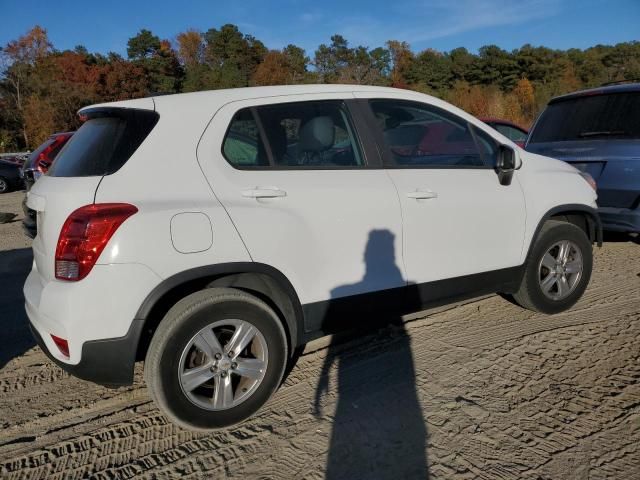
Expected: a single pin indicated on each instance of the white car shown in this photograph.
(212, 233)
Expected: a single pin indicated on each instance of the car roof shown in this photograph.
(224, 96)
(604, 90)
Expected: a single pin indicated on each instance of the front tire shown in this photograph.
(558, 269)
(215, 359)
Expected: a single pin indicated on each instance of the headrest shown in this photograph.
(317, 134)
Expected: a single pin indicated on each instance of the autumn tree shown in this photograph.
(232, 56)
(190, 48)
(17, 61)
(330, 60)
(41, 88)
(158, 60)
(401, 61)
(525, 98)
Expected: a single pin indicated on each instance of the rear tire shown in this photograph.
(558, 269)
(4, 185)
(193, 373)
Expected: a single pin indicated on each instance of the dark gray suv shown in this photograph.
(598, 132)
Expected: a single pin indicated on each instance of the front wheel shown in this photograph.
(558, 269)
(215, 359)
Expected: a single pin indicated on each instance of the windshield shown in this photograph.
(610, 116)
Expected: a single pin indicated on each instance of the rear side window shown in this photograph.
(611, 116)
(103, 143)
(419, 135)
(293, 135)
(243, 145)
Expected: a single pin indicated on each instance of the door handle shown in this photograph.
(422, 195)
(267, 192)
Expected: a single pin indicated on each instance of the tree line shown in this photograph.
(41, 88)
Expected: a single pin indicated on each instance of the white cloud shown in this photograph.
(420, 21)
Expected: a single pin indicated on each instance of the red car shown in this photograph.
(36, 165)
(513, 132)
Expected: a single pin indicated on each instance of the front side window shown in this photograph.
(419, 135)
(311, 135)
(511, 133)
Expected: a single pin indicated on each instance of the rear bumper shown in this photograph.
(620, 219)
(94, 316)
(107, 362)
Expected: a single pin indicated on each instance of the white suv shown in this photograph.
(213, 233)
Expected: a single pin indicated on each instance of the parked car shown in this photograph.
(598, 132)
(512, 131)
(17, 158)
(213, 233)
(34, 167)
(9, 176)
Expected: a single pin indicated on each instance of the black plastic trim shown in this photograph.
(107, 362)
(594, 222)
(294, 325)
(359, 311)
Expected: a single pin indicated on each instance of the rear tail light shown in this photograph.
(44, 161)
(62, 345)
(84, 235)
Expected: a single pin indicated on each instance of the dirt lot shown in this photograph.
(480, 390)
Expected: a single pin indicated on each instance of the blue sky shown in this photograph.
(104, 26)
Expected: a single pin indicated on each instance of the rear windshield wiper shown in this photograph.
(602, 133)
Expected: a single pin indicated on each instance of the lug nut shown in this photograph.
(231, 353)
(223, 374)
(214, 368)
(234, 365)
(218, 356)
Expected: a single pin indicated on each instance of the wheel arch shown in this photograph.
(583, 216)
(261, 280)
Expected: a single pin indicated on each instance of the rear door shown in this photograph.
(306, 199)
(100, 146)
(458, 219)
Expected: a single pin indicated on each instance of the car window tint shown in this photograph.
(612, 116)
(512, 133)
(488, 146)
(103, 143)
(310, 134)
(242, 145)
(423, 135)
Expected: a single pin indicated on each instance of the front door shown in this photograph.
(457, 218)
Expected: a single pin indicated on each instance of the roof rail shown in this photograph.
(618, 82)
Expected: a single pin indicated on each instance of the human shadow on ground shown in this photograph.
(15, 337)
(378, 430)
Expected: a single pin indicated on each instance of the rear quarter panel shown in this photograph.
(163, 179)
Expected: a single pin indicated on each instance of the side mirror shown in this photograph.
(506, 164)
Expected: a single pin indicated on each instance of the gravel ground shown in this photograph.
(478, 390)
